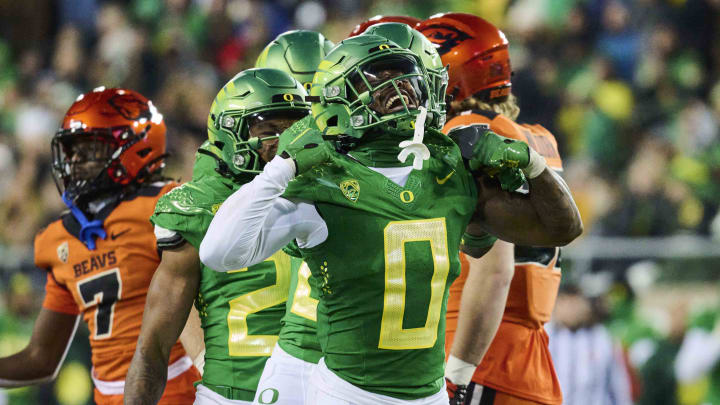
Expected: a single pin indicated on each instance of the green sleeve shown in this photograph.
(181, 212)
(189, 209)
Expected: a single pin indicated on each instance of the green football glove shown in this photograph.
(308, 156)
(298, 135)
(496, 155)
(304, 144)
(486, 149)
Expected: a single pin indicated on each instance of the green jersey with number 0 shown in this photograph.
(384, 271)
(240, 310)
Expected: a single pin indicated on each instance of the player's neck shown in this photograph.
(92, 206)
(379, 151)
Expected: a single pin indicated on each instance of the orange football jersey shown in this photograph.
(518, 361)
(108, 285)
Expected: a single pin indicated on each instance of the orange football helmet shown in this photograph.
(109, 139)
(360, 28)
(476, 52)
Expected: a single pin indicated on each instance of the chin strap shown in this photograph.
(88, 229)
(416, 146)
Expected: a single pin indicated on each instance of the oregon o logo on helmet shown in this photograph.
(308, 86)
(288, 97)
(384, 46)
(274, 395)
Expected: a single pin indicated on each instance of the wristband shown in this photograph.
(535, 166)
(458, 371)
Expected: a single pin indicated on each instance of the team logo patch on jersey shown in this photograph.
(350, 189)
(63, 252)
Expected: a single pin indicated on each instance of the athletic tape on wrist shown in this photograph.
(536, 166)
(459, 371)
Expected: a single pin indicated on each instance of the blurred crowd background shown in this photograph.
(631, 89)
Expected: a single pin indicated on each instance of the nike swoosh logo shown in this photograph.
(114, 235)
(442, 181)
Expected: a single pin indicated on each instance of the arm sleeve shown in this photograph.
(58, 298)
(255, 222)
(698, 354)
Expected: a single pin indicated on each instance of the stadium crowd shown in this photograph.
(631, 89)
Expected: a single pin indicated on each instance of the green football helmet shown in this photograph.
(403, 35)
(296, 53)
(251, 96)
(354, 75)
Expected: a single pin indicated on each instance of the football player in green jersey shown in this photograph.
(381, 232)
(288, 370)
(240, 311)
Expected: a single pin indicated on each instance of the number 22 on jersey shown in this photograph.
(240, 343)
(392, 334)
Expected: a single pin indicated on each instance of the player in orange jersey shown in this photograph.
(100, 256)
(517, 368)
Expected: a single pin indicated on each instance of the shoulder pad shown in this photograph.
(467, 118)
(486, 113)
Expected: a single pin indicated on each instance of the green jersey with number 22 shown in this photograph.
(240, 310)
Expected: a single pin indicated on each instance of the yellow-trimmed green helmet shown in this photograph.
(252, 95)
(297, 53)
(407, 37)
(351, 76)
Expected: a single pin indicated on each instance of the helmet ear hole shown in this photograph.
(144, 152)
(332, 121)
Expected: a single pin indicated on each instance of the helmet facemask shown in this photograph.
(87, 163)
(251, 149)
(264, 129)
(406, 37)
(386, 92)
